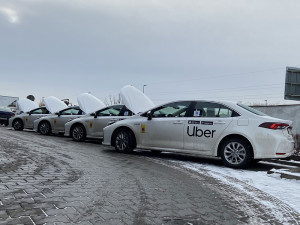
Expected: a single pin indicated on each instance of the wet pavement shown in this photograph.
(54, 180)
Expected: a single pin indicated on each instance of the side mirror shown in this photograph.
(58, 114)
(30, 113)
(149, 115)
(94, 115)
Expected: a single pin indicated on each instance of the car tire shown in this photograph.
(44, 128)
(124, 141)
(236, 153)
(78, 133)
(18, 124)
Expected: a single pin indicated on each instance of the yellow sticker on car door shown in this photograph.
(143, 128)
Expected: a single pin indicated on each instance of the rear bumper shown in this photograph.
(278, 150)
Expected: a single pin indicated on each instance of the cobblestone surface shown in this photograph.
(53, 180)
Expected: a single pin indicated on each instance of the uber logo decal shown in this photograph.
(197, 132)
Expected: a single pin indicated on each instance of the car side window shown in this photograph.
(111, 111)
(76, 112)
(175, 109)
(71, 112)
(40, 111)
(211, 109)
(66, 112)
(126, 112)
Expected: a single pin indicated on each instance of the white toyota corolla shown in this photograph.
(31, 112)
(235, 132)
(55, 123)
(91, 126)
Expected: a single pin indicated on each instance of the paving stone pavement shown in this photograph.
(53, 180)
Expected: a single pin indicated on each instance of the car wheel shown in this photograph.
(236, 153)
(124, 141)
(18, 124)
(78, 133)
(44, 128)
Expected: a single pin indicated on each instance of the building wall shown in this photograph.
(287, 112)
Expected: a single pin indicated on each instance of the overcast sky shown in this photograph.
(193, 49)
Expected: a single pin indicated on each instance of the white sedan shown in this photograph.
(31, 112)
(235, 132)
(91, 126)
(55, 123)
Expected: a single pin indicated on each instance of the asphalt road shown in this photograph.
(54, 180)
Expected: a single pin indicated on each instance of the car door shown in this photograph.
(65, 116)
(103, 118)
(165, 129)
(34, 115)
(207, 122)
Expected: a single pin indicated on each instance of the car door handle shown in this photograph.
(178, 123)
(219, 122)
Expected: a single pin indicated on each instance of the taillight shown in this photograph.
(12, 115)
(274, 126)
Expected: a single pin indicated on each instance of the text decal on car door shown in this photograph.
(197, 132)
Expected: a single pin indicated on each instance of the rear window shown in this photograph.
(256, 112)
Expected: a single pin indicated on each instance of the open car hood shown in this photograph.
(54, 105)
(89, 103)
(135, 100)
(26, 105)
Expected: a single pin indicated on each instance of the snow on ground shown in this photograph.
(285, 190)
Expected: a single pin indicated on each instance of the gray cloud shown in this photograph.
(173, 46)
(11, 15)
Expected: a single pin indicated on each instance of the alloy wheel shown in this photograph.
(235, 153)
(122, 141)
(78, 133)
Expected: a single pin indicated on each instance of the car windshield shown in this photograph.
(5, 109)
(259, 113)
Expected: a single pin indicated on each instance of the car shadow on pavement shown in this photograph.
(263, 166)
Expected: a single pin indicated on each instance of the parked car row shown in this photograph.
(240, 135)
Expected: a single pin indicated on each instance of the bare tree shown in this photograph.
(112, 100)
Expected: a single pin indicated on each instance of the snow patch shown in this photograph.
(285, 190)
